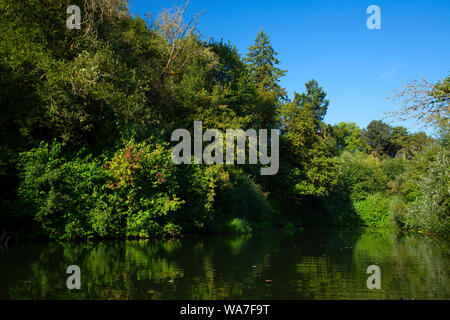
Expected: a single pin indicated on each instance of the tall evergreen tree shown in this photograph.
(314, 100)
(262, 60)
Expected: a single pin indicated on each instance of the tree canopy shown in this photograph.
(87, 117)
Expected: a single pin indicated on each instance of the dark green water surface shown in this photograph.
(307, 264)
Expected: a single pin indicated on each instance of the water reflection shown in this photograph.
(308, 264)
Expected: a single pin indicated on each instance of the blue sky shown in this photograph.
(330, 42)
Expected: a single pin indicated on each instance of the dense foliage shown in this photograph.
(87, 115)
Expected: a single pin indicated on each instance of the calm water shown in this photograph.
(308, 264)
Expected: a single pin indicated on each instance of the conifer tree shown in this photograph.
(262, 61)
(314, 100)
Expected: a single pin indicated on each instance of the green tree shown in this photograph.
(311, 169)
(398, 142)
(262, 62)
(377, 136)
(430, 210)
(424, 101)
(314, 100)
(348, 137)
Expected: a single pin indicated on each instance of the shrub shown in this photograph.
(145, 191)
(138, 193)
(237, 226)
(398, 210)
(374, 211)
(361, 175)
(172, 230)
(431, 209)
(60, 192)
(240, 197)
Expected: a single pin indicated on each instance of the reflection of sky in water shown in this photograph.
(309, 264)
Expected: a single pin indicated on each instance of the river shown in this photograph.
(302, 264)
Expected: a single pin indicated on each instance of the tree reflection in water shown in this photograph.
(308, 264)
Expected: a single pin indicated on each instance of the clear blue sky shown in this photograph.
(329, 41)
